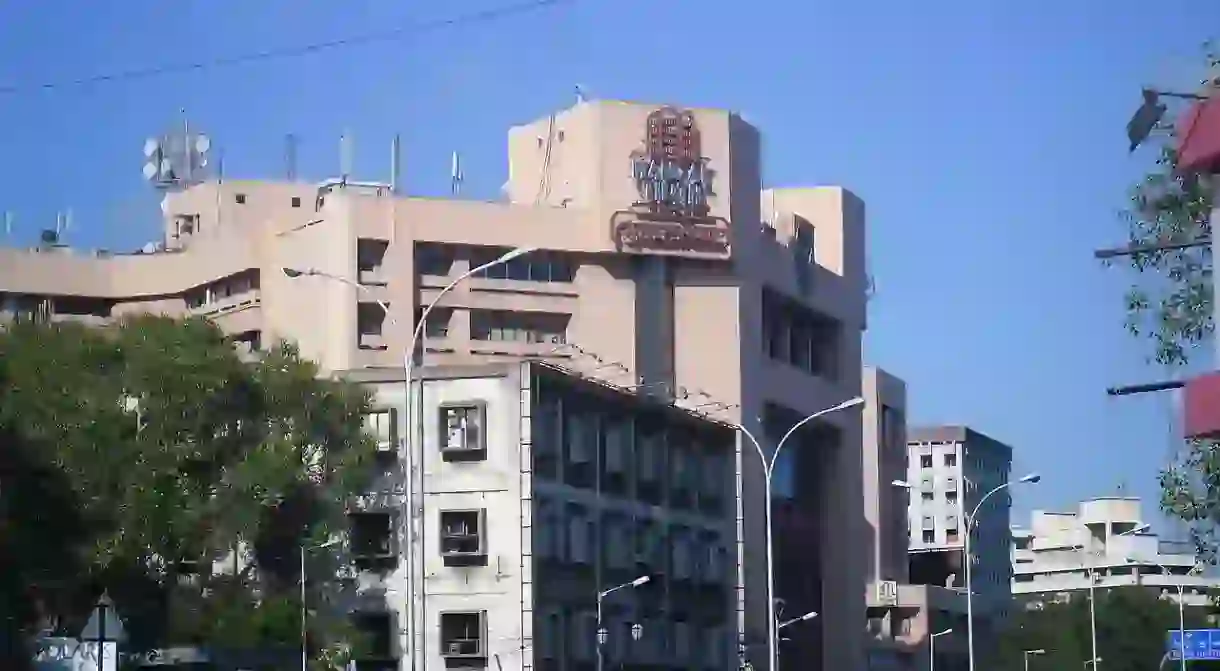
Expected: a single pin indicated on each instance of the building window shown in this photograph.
(951, 497)
(370, 261)
(539, 266)
(240, 198)
(925, 461)
(433, 258)
(370, 317)
(929, 536)
(296, 201)
(437, 325)
(383, 426)
(797, 335)
(376, 647)
(951, 459)
(927, 496)
(461, 426)
(463, 541)
(372, 540)
(463, 635)
(524, 327)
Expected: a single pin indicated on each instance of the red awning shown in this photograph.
(1199, 137)
(1202, 407)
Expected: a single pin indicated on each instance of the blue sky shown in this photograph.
(986, 137)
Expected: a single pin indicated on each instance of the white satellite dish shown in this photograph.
(150, 171)
(202, 144)
(165, 205)
(151, 145)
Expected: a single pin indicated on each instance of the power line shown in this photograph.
(483, 16)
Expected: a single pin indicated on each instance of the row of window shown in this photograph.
(623, 456)
(683, 553)
(572, 635)
(950, 459)
(433, 258)
(799, 336)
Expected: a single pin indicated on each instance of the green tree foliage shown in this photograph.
(1132, 630)
(180, 455)
(1171, 301)
(39, 525)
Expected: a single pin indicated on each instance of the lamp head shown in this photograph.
(514, 253)
(901, 483)
(1032, 478)
(293, 272)
(641, 580)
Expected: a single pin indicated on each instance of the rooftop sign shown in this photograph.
(671, 216)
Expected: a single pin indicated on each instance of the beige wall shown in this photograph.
(568, 174)
(885, 506)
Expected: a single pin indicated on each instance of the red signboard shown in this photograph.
(1198, 135)
(671, 215)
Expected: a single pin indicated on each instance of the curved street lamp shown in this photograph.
(768, 464)
(932, 647)
(1031, 478)
(412, 446)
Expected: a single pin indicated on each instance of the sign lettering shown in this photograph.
(673, 184)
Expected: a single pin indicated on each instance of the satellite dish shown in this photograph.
(151, 145)
(150, 171)
(203, 144)
(165, 205)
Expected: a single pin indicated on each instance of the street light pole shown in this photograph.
(932, 647)
(1092, 576)
(601, 633)
(1027, 653)
(1031, 478)
(768, 464)
(1181, 606)
(411, 446)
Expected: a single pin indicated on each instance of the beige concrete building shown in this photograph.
(901, 616)
(660, 262)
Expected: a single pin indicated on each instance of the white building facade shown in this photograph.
(542, 489)
(1053, 557)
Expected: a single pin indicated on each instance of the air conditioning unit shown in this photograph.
(887, 592)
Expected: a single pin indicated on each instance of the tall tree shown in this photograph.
(1171, 301)
(184, 458)
(1133, 624)
(40, 532)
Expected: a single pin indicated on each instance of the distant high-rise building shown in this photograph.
(950, 469)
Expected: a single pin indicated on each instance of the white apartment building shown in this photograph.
(1052, 558)
(950, 469)
(541, 489)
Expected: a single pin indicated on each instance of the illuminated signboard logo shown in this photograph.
(671, 215)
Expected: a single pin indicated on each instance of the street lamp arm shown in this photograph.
(314, 272)
(423, 319)
(977, 506)
(821, 413)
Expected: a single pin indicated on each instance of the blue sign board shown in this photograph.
(1200, 644)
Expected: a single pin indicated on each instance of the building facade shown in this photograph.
(544, 488)
(656, 260)
(1053, 557)
(950, 469)
(901, 615)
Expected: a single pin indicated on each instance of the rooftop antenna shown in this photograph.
(455, 174)
(177, 159)
(345, 156)
(395, 154)
(581, 96)
(8, 224)
(290, 157)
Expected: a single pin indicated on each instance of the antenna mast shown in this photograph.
(176, 160)
(290, 157)
(395, 154)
